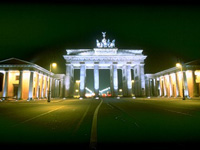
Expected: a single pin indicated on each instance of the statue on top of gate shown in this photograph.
(105, 43)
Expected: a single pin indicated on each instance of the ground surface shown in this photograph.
(100, 124)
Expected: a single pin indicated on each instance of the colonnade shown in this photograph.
(30, 85)
(173, 84)
(126, 79)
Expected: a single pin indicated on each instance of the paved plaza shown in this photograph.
(108, 122)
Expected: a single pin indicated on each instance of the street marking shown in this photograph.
(110, 105)
(93, 137)
(37, 116)
(178, 112)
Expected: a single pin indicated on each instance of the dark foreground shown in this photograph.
(106, 123)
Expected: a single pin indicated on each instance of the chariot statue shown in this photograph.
(104, 43)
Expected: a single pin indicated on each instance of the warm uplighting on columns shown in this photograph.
(178, 65)
(54, 65)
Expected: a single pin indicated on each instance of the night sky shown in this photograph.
(41, 32)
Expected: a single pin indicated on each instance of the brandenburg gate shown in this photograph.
(106, 56)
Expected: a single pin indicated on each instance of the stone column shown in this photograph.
(61, 88)
(96, 79)
(19, 92)
(5, 89)
(111, 80)
(37, 86)
(68, 86)
(50, 86)
(147, 83)
(161, 86)
(30, 95)
(177, 85)
(128, 80)
(170, 87)
(115, 80)
(142, 90)
(53, 89)
(82, 80)
(124, 81)
(46, 88)
(155, 86)
(42, 87)
(195, 85)
(185, 84)
(165, 86)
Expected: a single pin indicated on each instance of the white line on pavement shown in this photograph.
(93, 137)
(37, 116)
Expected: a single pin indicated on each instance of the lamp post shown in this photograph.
(178, 65)
(49, 88)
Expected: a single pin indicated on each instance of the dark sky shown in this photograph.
(40, 32)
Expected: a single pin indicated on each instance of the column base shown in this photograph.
(30, 99)
(4, 98)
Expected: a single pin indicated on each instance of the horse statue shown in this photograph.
(99, 44)
(112, 44)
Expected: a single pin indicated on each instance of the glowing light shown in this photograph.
(54, 65)
(108, 88)
(178, 65)
(120, 90)
(77, 81)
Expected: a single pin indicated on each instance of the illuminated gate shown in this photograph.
(106, 56)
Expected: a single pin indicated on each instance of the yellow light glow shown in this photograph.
(77, 81)
(132, 81)
(54, 65)
(178, 65)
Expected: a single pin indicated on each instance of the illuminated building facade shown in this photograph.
(173, 82)
(24, 80)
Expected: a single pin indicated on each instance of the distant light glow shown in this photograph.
(106, 89)
(178, 65)
(54, 65)
(77, 81)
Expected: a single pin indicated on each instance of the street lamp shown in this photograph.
(178, 65)
(54, 65)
